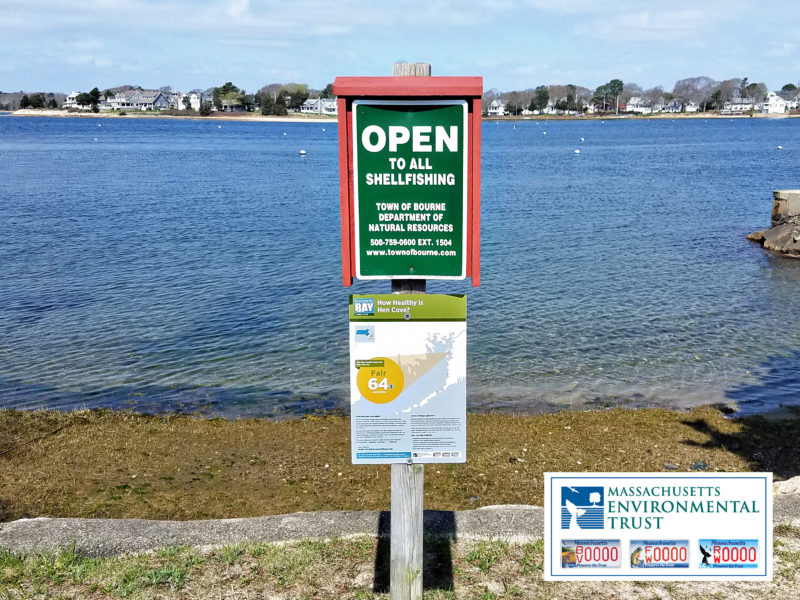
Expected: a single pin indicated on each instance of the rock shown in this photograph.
(670, 466)
(783, 238)
(700, 465)
(784, 235)
(790, 486)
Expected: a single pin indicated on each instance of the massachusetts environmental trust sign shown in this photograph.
(657, 526)
(410, 188)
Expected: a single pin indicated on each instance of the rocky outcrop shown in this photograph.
(784, 235)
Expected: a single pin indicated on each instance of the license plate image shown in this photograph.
(590, 554)
(731, 554)
(654, 554)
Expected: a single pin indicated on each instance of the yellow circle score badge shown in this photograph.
(380, 380)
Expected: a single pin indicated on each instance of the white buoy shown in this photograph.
(302, 152)
(95, 139)
(544, 133)
(284, 133)
(323, 130)
(577, 151)
(780, 147)
(219, 126)
(581, 139)
(99, 125)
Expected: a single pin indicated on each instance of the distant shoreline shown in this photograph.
(638, 117)
(297, 118)
(157, 115)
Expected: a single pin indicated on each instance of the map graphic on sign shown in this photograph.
(416, 365)
(408, 384)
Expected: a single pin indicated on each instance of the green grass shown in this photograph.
(486, 554)
(488, 569)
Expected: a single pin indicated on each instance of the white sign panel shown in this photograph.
(658, 526)
(408, 367)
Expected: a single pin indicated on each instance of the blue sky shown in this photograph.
(55, 45)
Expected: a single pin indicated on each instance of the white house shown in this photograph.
(774, 104)
(71, 101)
(320, 106)
(175, 100)
(195, 101)
(639, 105)
(691, 107)
(550, 109)
(496, 109)
(739, 105)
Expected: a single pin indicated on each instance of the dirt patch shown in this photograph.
(122, 465)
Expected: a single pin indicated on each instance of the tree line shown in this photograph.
(272, 99)
(706, 92)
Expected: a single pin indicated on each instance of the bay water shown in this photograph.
(194, 265)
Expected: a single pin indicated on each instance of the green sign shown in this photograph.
(410, 179)
(408, 307)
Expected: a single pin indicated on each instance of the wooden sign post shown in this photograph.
(409, 152)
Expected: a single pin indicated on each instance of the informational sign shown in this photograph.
(408, 367)
(410, 188)
(658, 526)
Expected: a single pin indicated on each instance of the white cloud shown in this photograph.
(89, 60)
(238, 8)
(576, 6)
(647, 26)
(85, 45)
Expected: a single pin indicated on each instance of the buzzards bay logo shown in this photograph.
(363, 307)
(582, 507)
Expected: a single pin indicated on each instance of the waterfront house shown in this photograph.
(320, 106)
(232, 105)
(550, 109)
(738, 106)
(792, 98)
(175, 100)
(672, 107)
(71, 101)
(136, 100)
(195, 101)
(639, 105)
(774, 104)
(497, 109)
(153, 100)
